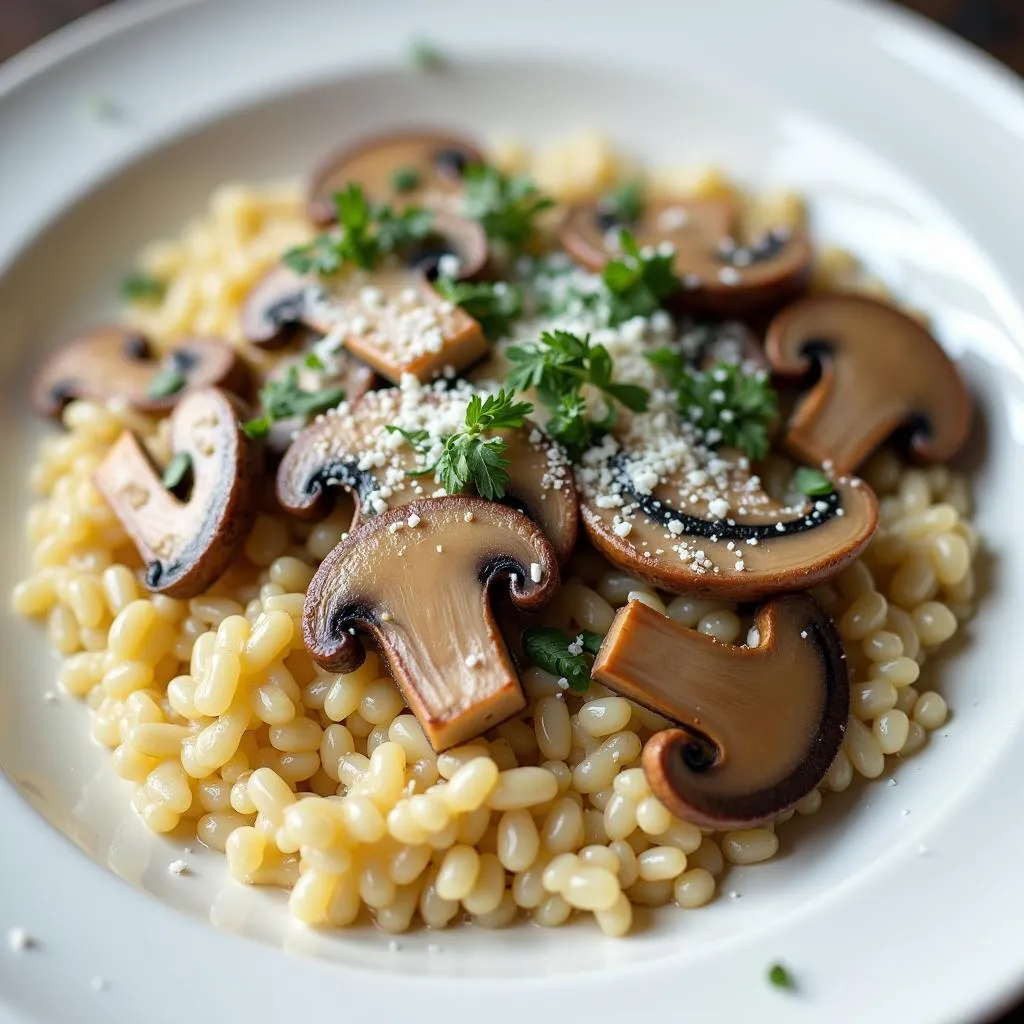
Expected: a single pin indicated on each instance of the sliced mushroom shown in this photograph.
(418, 579)
(351, 447)
(391, 318)
(720, 276)
(879, 371)
(116, 362)
(758, 727)
(434, 161)
(186, 545)
(660, 505)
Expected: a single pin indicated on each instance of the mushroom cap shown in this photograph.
(759, 727)
(351, 447)
(418, 579)
(117, 362)
(187, 545)
(274, 309)
(880, 371)
(720, 277)
(693, 521)
(439, 158)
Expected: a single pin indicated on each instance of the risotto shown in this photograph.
(231, 719)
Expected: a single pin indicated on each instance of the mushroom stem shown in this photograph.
(759, 727)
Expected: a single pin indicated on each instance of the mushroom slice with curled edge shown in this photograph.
(352, 447)
(116, 362)
(418, 579)
(880, 371)
(186, 545)
(421, 168)
(391, 318)
(659, 504)
(720, 276)
(758, 727)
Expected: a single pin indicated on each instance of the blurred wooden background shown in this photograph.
(995, 25)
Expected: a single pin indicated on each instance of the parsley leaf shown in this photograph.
(283, 399)
(494, 306)
(780, 977)
(177, 469)
(558, 367)
(168, 381)
(364, 235)
(467, 456)
(505, 206)
(812, 482)
(639, 281)
(142, 287)
(424, 56)
(625, 203)
(728, 405)
(405, 179)
(549, 649)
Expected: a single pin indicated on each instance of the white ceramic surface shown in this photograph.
(909, 146)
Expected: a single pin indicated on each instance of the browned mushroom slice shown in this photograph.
(418, 579)
(419, 168)
(759, 727)
(720, 276)
(351, 447)
(696, 522)
(116, 362)
(879, 371)
(186, 545)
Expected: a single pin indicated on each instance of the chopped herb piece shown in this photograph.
(168, 381)
(177, 469)
(142, 287)
(405, 179)
(727, 404)
(812, 482)
(639, 281)
(505, 206)
(314, 362)
(467, 457)
(780, 977)
(495, 306)
(558, 367)
(426, 57)
(364, 235)
(283, 400)
(624, 203)
(549, 648)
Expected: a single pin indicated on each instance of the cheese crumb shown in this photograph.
(19, 940)
(563, 683)
(413, 521)
(178, 867)
(576, 647)
(754, 637)
(440, 549)
(718, 507)
(468, 517)
(622, 529)
(536, 572)
(474, 659)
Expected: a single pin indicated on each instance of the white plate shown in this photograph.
(911, 148)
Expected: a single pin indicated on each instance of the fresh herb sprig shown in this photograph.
(639, 282)
(166, 382)
(506, 206)
(142, 287)
(812, 482)
(569, 658)
(366, 232)
(727, 404)
(283, 399)
(624, 203)
(559, 366)
(495, 306)
(779, 977)
(468, 457)
(177, 470)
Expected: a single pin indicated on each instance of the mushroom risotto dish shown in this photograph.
(499, 537)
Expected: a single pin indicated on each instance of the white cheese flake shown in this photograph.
(536, 572)
(19, 940)
(178, 867)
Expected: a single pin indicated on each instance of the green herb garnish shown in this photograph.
(177, 469)
(426, 57)
(625, 203)
(405, 179)
(168, 381)
(639, 282)
(558, 367)
(505, 206)
(142, 287)
(495, 306)
(780, 977)
(364, 235)
(728, 405)
(555, 652)
(283, 400)
(467, 456)
(314, 362)
(812, 482)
